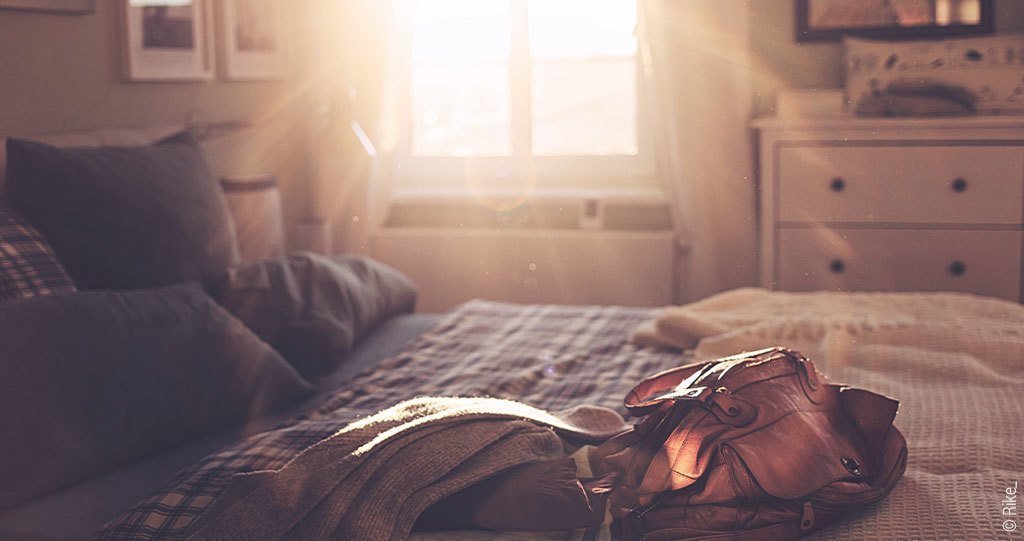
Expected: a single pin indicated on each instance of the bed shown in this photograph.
(961, 408)
(956, 363)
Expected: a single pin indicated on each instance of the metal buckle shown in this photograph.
(692, 392)
(851, 465)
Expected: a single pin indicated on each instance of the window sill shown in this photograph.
(465, 195)
(618, 210)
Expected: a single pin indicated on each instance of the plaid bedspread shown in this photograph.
(552, 357)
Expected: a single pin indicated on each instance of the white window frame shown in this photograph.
(418, 175)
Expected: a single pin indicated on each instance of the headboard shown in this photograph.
(92, 138)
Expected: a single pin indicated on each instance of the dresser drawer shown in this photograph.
(910, 184)
(982, 262)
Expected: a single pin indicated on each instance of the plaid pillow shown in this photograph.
(28, 266)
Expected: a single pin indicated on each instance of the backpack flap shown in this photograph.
(803, 452)
(686, 382)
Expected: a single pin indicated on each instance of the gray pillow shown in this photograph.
(90, 381)
(125, 217)
(313, 308)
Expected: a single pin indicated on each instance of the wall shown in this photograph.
(710, 164)
(779, 62)
(63, 72)
(728, 60)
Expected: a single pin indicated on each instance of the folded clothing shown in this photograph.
(790, 316)
(917, 98)
(549, 495)
(373, 478)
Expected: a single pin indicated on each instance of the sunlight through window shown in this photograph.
(524, 77)
(460, 79)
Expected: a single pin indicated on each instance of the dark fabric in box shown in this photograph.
(125, 217)
(90, 381)
(312, 308)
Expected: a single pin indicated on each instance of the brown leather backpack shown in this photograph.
(751, 447)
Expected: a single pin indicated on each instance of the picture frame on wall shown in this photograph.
(254, 39)
(167, 40)
(74, 7)
(830, 20)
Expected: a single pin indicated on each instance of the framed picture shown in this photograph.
(255, 39)
(829, 20)
(55, 6)
(167, 40)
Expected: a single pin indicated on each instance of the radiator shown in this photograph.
(582, 251)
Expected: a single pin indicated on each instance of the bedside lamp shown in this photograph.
(255, 204)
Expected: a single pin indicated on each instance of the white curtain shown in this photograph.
(696, 54)
(360, 96)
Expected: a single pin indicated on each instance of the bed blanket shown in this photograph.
(374, 478)
(958, 371)
(955, 362)
(551, 357)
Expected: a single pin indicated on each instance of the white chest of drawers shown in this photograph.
(892, 204)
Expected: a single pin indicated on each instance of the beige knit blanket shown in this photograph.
(373, 478)
(955, 362)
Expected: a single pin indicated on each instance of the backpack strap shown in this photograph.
(696, 382)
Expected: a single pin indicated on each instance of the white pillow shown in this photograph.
(992, 68)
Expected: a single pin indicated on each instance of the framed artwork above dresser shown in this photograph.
(887, 204)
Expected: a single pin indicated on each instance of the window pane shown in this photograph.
(582, 28)
(461, 111)
(461, 31)
(584, 108)
(460, 81)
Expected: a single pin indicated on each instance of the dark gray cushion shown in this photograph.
(125, 217)
(313, 308)
(90, 381)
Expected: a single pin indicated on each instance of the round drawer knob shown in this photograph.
(837, 184)
(837, 266)
(959, 185)
(958, 268)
